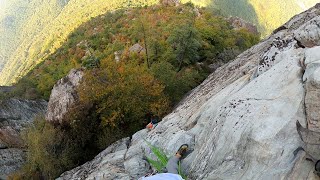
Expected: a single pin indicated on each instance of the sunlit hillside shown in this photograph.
(266, 14)
(31, 30)
(39, 33)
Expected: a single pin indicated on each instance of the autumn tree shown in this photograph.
(123, 93)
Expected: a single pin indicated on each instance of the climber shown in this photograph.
(172, 167)
(153, 123)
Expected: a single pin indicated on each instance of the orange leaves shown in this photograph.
(123, 93)
(111, 119)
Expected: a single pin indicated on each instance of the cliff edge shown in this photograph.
(241, 121)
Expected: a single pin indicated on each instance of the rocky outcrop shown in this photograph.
(63, 96)
(108, 164)
(6, 89)
(241, 121)
(10, 161)
(312, 79)
(137, 48)
(239, 23)
(14, 116)
(170, 2)
(19, 113)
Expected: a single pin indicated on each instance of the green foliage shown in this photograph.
(42, 27)
(105, 112)
(38, 28)
(185, 41)
(170, 34)
(162, 160)
(112, 88)
(177, 84)
(267, 15)
(2, 95)
(115, 97)
(25, 89)
(91, 62)
(45, 153)
(53, 149)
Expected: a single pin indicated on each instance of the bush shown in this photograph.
(177, 84)
(45, 157)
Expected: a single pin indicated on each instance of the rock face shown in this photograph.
(15, 115)
(106, 164)
(239, 23)
(63, 96)
(5, 89)
(137, 48)
(312, 78)
(170, 2)
(10, 161)
(241, 121)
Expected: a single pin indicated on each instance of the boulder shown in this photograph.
(137, 48)
(63, 96)
(241, 121)
(170, 2)
(239, 23)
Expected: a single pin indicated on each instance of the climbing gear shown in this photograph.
(182, 150)
(152, 124)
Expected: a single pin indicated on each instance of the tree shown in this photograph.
(185, 41)
(177, 84)
(122, 95)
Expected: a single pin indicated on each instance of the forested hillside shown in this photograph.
(266, 14)
(136, 62)
(32, 30)
(21, 21)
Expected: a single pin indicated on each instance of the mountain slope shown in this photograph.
(31, 30)
(37, 39)
(241, 122)
(267, 15)
(22, 21)
(101, 37)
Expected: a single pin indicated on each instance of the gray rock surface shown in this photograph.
(312, 79)
(241, 121)
(15, 115)
(104, 165)
(5, 89)
(18, 113)
(239, 23)
(10, 161)
(137, 48)
(63, 96)
(170, 2)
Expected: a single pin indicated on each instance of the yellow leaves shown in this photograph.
(123, 93)
(111, 119)
(160, 107)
